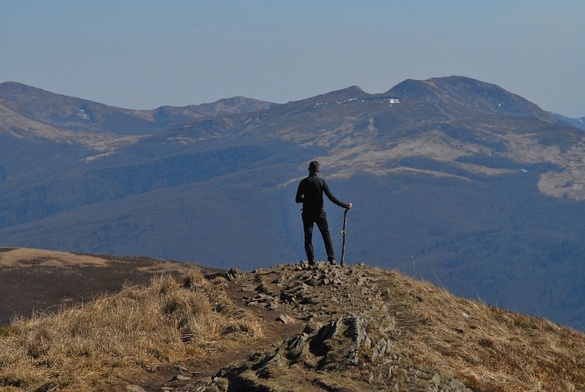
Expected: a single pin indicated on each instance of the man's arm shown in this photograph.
(333, 199)
(299, 196)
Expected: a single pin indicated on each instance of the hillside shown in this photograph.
(39, 280)
(289, 327)
(454, 180)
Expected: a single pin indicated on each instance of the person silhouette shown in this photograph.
(310, 194)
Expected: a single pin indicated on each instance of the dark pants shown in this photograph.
(319, 218)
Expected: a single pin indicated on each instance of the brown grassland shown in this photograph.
(223, 328)
(122, 337)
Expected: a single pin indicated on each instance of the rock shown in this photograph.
(180, 377)
(286, 319)
(379, 349)
(297, 345)
(356, 330)
(268, 365)
(220, 385)
(457, 385)
(322, 266)
(248, 288)
(134, 388)
(262, 300)
(233, 274)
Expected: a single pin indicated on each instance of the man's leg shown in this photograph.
(323, 226)
(308, 230)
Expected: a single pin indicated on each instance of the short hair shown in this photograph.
(314, 166)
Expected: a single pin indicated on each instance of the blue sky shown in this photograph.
(144, 54)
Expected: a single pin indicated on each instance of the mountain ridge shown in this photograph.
(575, 122)
(77, 114)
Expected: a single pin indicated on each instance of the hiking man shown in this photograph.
(310, 193)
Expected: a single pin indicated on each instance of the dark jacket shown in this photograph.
(310, 193)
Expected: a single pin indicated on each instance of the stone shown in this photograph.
(457, 385)
(248, 288)
(134, 388)
(233, 274)
(379, 349)
(298, 342)
(180, 377)
(286, 319)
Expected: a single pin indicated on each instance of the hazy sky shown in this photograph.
(144, 54)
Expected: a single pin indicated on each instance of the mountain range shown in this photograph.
(453, 180)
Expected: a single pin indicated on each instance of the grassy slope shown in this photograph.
(202, 324)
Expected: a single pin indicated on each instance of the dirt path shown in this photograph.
(190, 375)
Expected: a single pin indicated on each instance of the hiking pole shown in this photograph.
(344, 232)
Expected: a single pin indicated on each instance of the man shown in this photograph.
(310, 193)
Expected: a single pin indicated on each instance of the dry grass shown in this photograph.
(28, 257)
(121, 337)
(433, 337)
(489, 348)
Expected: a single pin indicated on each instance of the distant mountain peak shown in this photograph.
(343, 94)
(468, 94)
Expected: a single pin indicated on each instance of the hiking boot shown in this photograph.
(332, 262)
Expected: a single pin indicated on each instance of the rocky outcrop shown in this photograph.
(349, 339)
(339, 356)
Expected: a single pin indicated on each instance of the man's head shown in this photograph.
(314, 167)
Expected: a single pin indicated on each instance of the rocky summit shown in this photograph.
(370, 329)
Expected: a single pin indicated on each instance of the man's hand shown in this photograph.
(349, 205)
